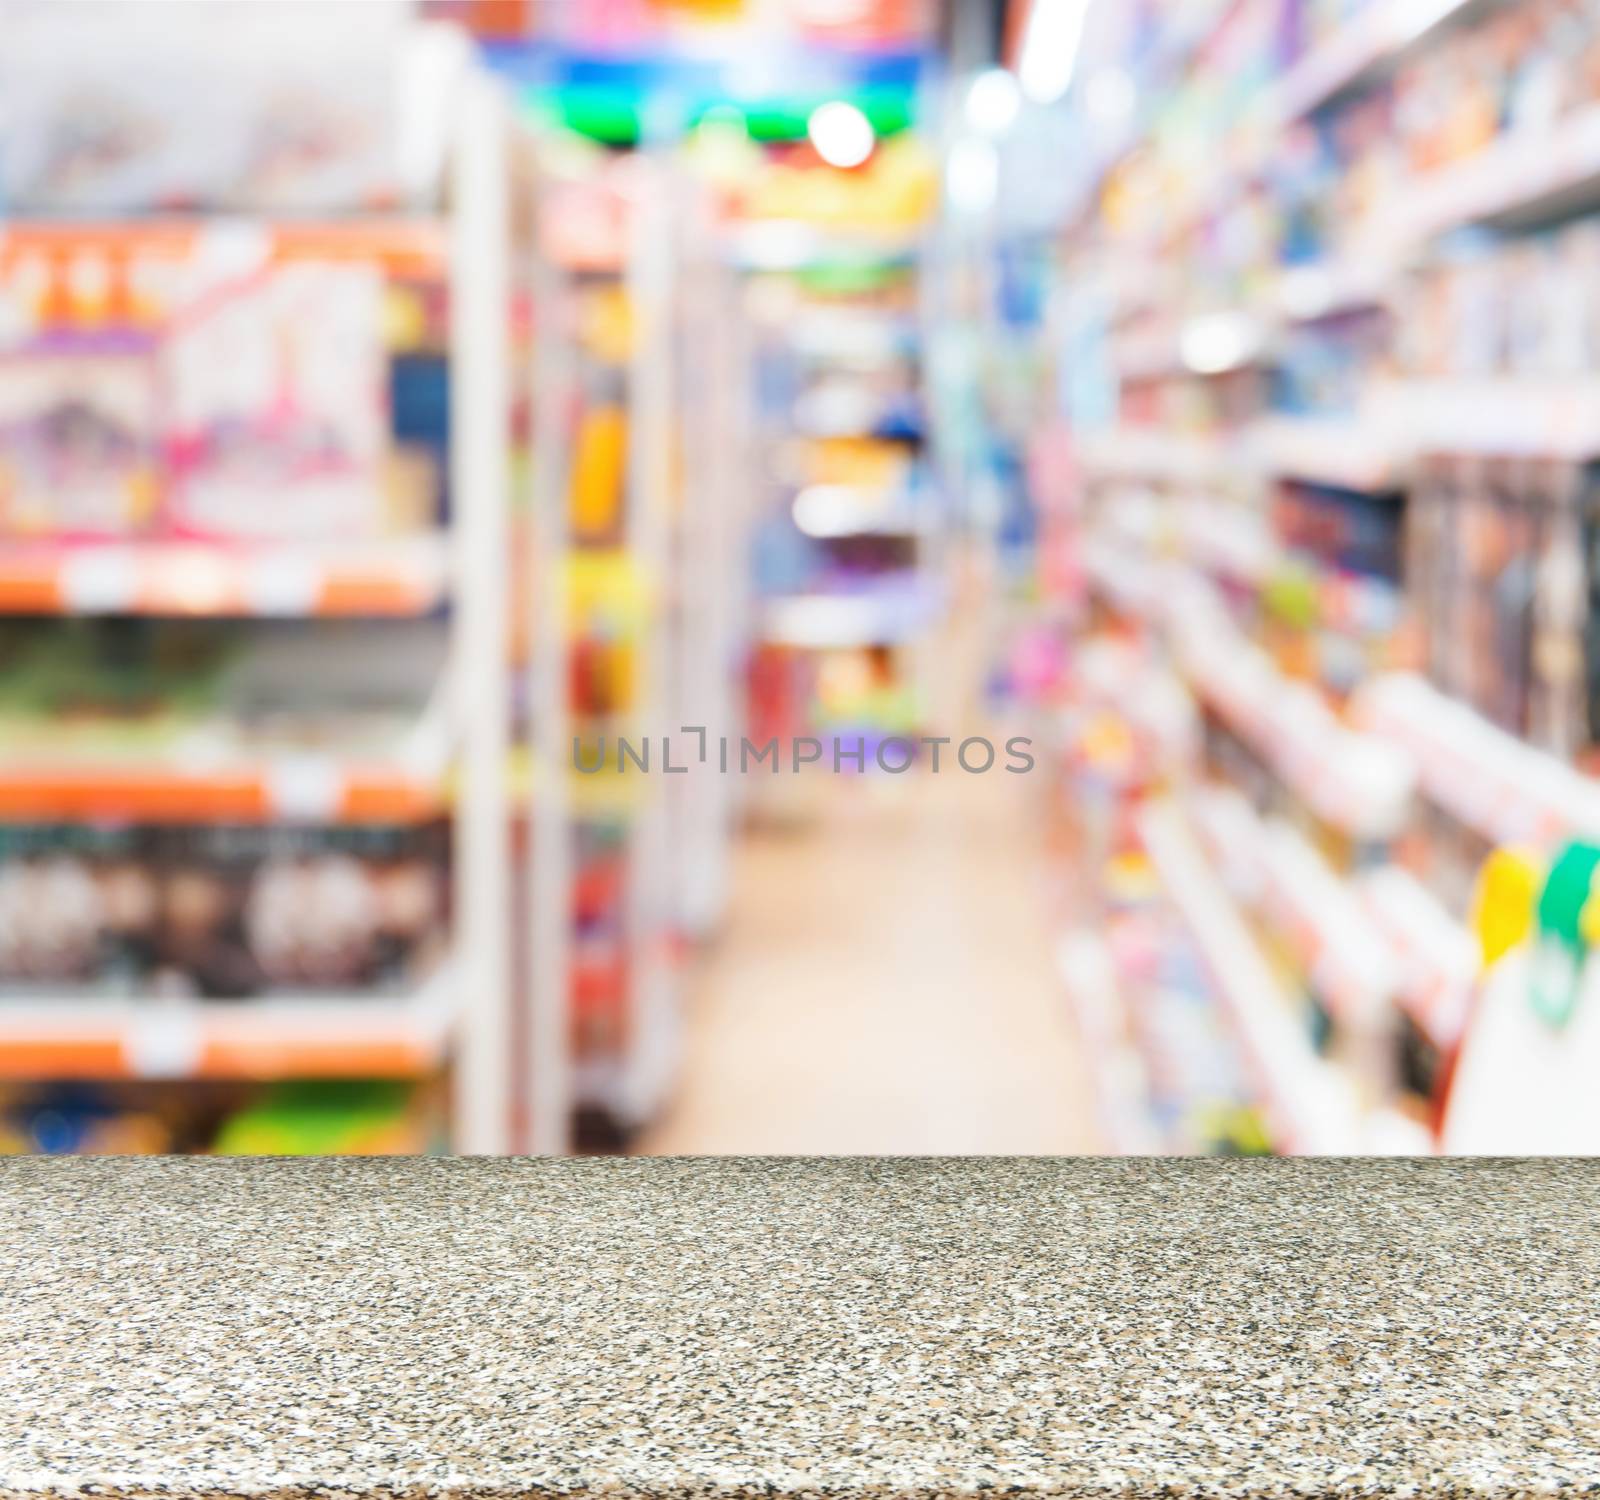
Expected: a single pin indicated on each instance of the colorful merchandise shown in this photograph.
(221, 912)
(370, 1118)
(171, 383)
(277, 408)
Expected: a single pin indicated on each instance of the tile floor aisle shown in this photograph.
(885, 981)
(885, 985)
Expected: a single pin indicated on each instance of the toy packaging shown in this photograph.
(326, 1117)
(278, 407)
(172, 384)
(221, 912)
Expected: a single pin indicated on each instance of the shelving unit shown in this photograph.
(400, 576)
(1332, 395)
(1309, 1105)
(1089, 977)
(434, 584)
(846, 535)
(1367, 46)
(636, 633)
(308, 1036)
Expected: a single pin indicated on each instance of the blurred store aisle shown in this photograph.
(885, 983)
(885, 986)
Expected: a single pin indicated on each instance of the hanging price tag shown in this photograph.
(305, 789)
(165, 1042)
(99, 581)
(282, 584)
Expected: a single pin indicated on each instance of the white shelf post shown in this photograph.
(549, 850)
(480, 493)
(651, 268)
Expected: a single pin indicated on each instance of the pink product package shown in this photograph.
(276, 407)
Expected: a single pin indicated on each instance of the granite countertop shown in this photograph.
(726, 1327)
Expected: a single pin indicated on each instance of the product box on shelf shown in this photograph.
(301, 1117)
(113, 107)
(276, 405)
(219, 912)
(226, 384)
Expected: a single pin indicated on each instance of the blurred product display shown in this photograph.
(363, 451)
(845, 561)
(456, 458)
(309, 1118)
(236, 539)
(1329, 311)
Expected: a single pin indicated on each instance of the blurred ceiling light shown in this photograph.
(1109, 96)
(842, 135)
(1219, 342)
(1050, 42)
(972, 176)
(993, 101)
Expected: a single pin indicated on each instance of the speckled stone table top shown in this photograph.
(798, 1328)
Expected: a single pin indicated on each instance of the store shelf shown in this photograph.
(311, 1036)
(1310, 1107)
(1423, 290)
(1522, 178)
(1155, 453)
(1116, 1073)
(1335, 939)
(821, 429)
(1357, 53)
(851, 338)
(1361, 52)
(1229, 541)
(1504, 416)
(783, 245)
(1439, 959)
(1373, 451)
(299, 788)
(821, 621)
(392, 577)
(1132, 583)
(1325, 921)
(1329, 289)
(1206, 344)
(1178, 40)
(1504, 789)
(153, 343)
(1349, 454)
(405, 247)
(1356, 782)
(1233, 836)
